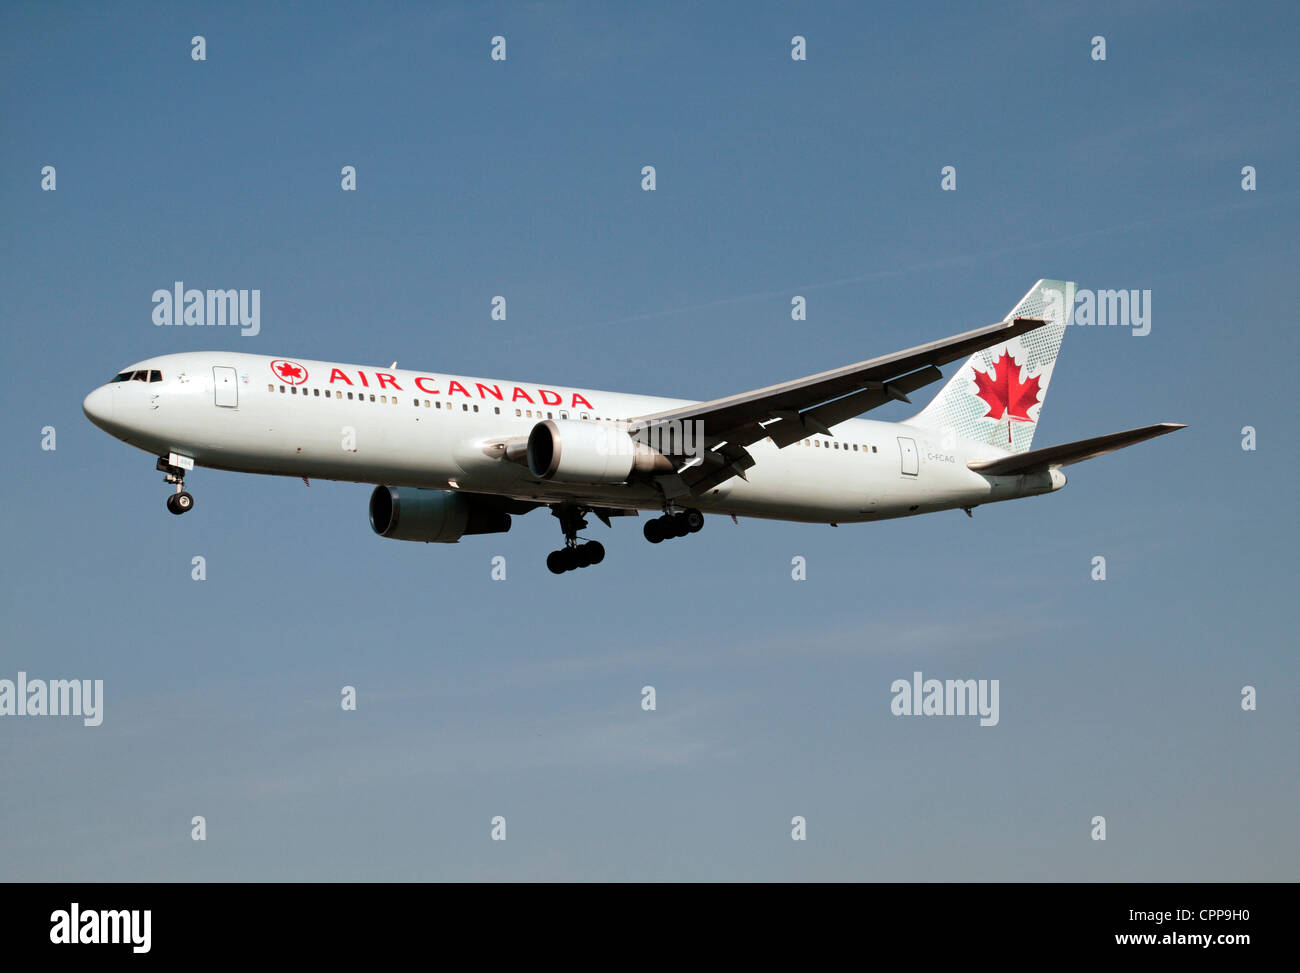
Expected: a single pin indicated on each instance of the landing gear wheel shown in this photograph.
(574, 555)
(179, 503)
(653, 530)
(676, 526)
(694, 521)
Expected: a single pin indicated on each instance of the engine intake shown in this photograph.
(432, 516)
(573, 451)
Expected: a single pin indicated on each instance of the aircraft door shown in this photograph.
(224, 382)
(907, 450)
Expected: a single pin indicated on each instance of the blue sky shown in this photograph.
(522, 698)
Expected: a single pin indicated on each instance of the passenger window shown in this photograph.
(476, 408)
(530, 413)
(270, 388)
(585, 416)
(382, 398)
(496, 409)
(426, 403)
(563, 414)
(372, 396)
(349, 396)
(518, 413)
(316, 392)
(874, 450)
(549, 416)
(293, 390)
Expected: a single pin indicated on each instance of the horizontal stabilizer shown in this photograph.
(1067, 453)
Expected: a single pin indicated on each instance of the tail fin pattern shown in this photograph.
(997, 396)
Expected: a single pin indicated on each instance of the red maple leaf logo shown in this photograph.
(1000, 387)
(290, 372)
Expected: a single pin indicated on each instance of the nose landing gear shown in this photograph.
(179, 502)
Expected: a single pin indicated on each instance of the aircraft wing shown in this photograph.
(788, 412)
(1053, 456)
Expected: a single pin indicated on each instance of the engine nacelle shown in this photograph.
(573, 451)
(442, 516)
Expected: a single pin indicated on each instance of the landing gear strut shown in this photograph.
(573, 555)
(179, 502)
(672, 525)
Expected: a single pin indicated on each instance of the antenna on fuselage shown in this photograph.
(393, 365)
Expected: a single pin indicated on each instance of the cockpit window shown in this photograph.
(142, 375)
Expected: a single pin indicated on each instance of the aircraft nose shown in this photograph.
(98, 406)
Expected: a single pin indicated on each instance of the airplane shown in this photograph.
(458, 456)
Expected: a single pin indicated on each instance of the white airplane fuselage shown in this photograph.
(397, 427)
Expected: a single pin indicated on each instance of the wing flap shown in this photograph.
(793, 426)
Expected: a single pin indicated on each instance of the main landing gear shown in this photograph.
(179, 502)
(673, 525)
(573, 555)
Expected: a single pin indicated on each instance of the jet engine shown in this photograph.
(573, 451)
(443, 516)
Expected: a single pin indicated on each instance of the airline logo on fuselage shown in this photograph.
(289, 372)
(292, 373)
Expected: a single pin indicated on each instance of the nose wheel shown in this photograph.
(673, 525)
(181, 501)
